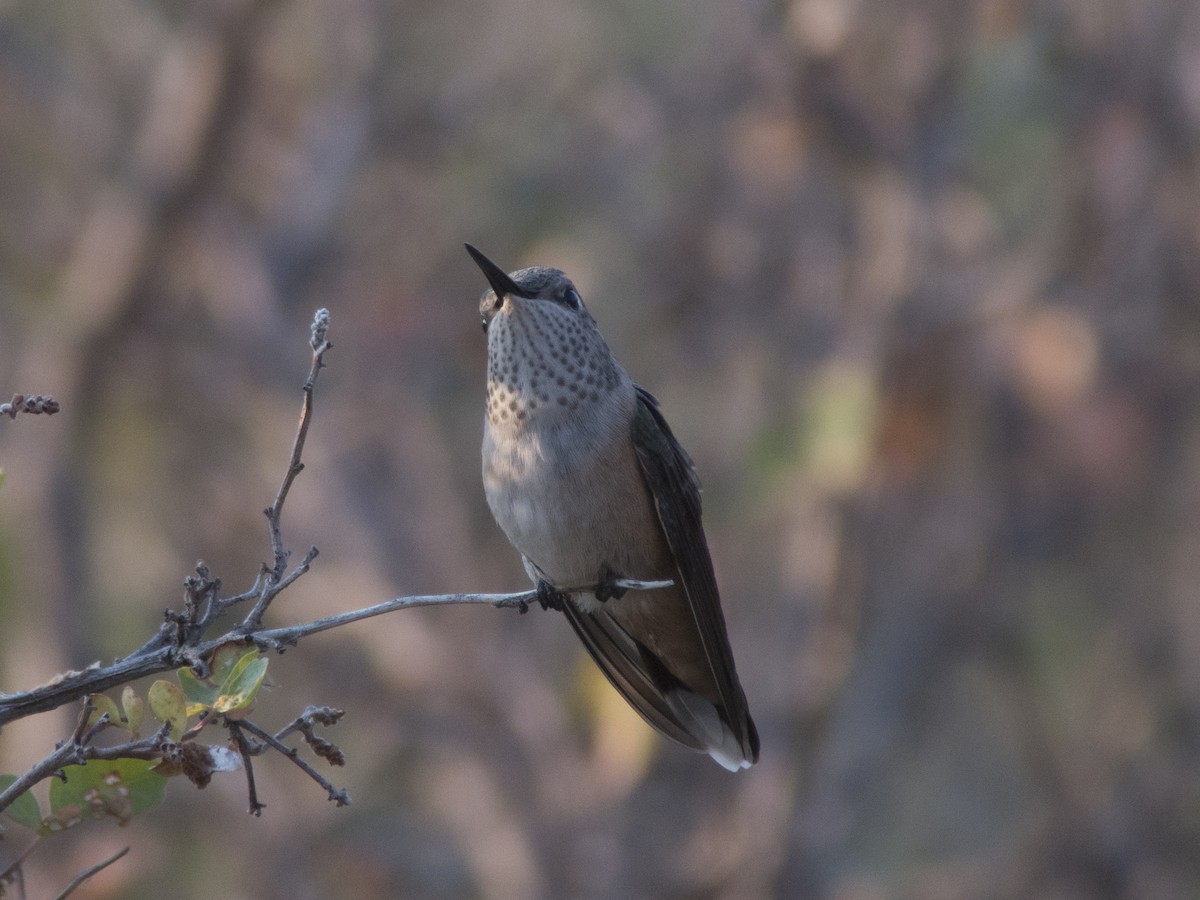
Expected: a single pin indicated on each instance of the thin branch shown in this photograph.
(78, 749)
(338, 796)
(301, 569)
(69, 752)
(83, 733)
(224, 603)
(152, 659)
(163, 639)
(92, 680)
(88, 873)
(275, 580)
(312, 715)
(307, 726)
(246, 751)
(281, 638)
(65, 754)
(143, 748)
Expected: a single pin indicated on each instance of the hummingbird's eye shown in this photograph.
(572, 299)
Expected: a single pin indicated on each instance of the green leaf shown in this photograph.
(225, 659)
(203, 694)
(168, 703)
(120, 788)
(25, 808)
(200, 694)
(237, 674)
(242, 684)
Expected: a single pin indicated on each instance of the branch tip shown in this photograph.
(320, 330)
(41, 404)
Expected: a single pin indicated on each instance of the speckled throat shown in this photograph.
(545, 363)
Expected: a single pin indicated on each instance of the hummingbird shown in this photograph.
(587, 481)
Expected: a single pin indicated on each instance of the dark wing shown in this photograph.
(633, 670)
(671, 478)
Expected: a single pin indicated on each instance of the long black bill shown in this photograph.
(496, 276)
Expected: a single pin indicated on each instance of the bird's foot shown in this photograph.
(549, 596)
(607, 587)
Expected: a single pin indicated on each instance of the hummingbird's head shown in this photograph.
(534, 283)
(546, 359)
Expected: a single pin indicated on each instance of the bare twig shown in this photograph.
(338, 796)
(88, 873)
(246, 751)
(275, 581)
(78, 750)
(42, 404)
(92, 680)
(307, 724)
(222, 604)
(312, 715)
(69, 752)
(281, 638)
(153, 659)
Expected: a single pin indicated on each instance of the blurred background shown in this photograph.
(916, 283)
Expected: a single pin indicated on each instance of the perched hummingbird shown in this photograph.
(587, 481)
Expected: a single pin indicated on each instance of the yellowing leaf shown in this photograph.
(102, 704)
(236, 674)
(200, 694)
(134, 707)
(240, 687)
(168, 704)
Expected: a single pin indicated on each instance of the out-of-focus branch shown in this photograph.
(13, 873)
(89, 872)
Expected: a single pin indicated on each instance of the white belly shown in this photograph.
(572, 513)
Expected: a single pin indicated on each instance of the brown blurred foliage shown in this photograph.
(917, 284)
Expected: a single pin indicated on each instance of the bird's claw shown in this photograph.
(607, 587)
(550, 597)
